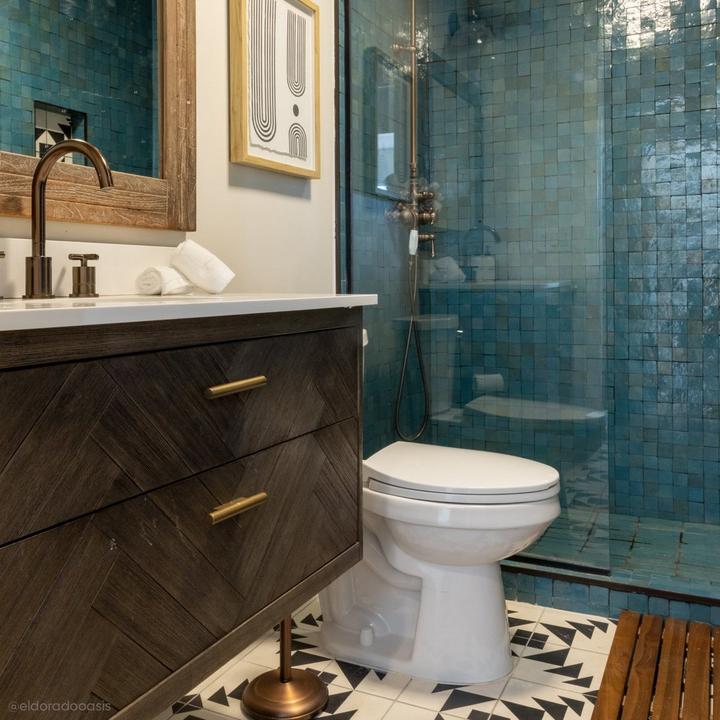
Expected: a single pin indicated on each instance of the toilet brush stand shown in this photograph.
(285, 693)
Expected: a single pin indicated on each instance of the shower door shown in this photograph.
(515, 143)
(512, 305)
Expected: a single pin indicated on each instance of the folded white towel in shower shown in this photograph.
(446, 270)
(201, 267)
(488, 383)
(162, 281)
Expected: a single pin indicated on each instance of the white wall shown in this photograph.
(277, 232)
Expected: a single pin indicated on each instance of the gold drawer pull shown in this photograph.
(236, 507)
(233, 388)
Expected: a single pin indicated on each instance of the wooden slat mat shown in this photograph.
(661, 669)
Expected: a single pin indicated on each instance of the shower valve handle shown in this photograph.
(428, 237)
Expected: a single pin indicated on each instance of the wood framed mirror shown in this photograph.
(163, 202)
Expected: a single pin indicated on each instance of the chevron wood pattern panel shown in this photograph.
(77, 437)
(103, 608)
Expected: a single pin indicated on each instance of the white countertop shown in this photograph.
(71, 312)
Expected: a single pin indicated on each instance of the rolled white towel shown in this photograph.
(201, 267)
(162, 281)
(485, 384)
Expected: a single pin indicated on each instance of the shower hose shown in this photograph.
(413, 333)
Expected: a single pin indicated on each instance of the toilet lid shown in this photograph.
(444, 474)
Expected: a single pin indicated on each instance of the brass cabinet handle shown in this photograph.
(234, 388)
(236, 507)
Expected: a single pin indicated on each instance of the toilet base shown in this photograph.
(460, 636)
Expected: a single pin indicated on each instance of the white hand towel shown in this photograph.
(201, 267)
(162, 281)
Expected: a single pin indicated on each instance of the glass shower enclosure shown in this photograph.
(571, 311)
(512, 320)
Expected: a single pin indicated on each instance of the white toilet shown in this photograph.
(427, 599)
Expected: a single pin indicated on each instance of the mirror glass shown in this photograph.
(85, 69)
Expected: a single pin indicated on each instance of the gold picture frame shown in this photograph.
(275, 85)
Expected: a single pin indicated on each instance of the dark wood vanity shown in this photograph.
(117, 589)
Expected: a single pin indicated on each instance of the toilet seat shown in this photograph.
(440, 474)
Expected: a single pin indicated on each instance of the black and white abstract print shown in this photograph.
(559, 659)
(298, 141)
(281, 93)
(296, 53)
(263, 93)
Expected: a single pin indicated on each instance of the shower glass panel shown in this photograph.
(515, 296)
(512, 325)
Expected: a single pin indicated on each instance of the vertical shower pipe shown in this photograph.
(413, 115)
(414, 210)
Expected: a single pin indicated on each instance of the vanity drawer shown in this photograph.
(77, 437)
(103, 608)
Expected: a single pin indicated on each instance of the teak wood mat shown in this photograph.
(661, 669)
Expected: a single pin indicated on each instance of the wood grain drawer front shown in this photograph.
(103, 608)
(79, 436)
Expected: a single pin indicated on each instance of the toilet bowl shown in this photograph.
(427, 599)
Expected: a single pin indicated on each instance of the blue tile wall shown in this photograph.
(577, 596)
(664, 259)
(586, 134)
(102, 63)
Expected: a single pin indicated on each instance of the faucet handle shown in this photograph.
(83, 275)
(83, 258)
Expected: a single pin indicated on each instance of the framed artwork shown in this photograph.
(275, 85)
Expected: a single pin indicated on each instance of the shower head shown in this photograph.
(468, 29)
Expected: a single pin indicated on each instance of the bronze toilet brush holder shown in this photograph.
(285, 693)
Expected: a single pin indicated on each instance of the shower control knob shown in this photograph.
(427, 217)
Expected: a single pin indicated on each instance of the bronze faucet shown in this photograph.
(38, 268)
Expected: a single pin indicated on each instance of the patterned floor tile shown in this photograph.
(522, 619)
(374, 682)
(560, 658)
(525, 611)
(305, 652)
(227, 668)
(529, 701)
(454, 700)
(348, 705)
(207, 715)
(309, 614)
(224, 696)
(562, 667)
(400, 711)
(583, 632)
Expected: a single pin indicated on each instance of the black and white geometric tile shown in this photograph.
(559, 659)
